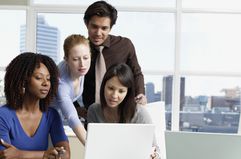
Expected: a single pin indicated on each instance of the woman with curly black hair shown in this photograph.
(31, 82)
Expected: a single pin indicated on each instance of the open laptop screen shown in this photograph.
(119, 141)
(190, 145)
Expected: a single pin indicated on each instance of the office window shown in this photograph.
(144, 3)
(52, 30)
(159, 88)
(211, 42)
(153, 36)
(51, 27)
(68, 2)
(14, 2)
(2, 96)
(11, 21)
(209, 46)
(211, 104)
(116, 3)
(212, 4)
(153, 87)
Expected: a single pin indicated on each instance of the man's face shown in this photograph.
(98, 29)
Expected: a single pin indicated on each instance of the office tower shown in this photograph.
(167, 90)
(157, 96)
(48, 39)
(150, 93)
(203, 100)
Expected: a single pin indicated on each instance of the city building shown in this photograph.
(167, 91)
(150, 93)
(48, 39)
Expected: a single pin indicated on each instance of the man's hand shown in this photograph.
(141, 99)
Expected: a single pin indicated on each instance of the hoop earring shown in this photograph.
(23, 90)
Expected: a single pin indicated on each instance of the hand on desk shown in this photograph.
(55, 153)
(9, 152)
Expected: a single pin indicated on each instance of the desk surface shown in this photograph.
(68, 131)
(76, 148)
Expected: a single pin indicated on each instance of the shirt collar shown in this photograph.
(106, 43)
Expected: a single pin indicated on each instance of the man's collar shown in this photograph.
(106, 43)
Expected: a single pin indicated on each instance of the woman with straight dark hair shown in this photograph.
(117, 99)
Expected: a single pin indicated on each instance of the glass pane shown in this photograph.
(144, 3)
(10, 23)
(164, 46)
(52, 30)
(14, 2)
(153, 87)
(159, 88)
(80, 2)
(212, 104)
(2, 96)
(132, 3)
(212, 4)
(153, 36)
(211, 42)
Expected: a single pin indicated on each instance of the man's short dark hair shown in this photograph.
(101, 9)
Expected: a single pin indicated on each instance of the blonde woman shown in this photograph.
(72, 70)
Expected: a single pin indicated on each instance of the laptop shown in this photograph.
(190, 145)
(119, 141)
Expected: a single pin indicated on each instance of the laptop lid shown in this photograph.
(119, 141)
(189, 145)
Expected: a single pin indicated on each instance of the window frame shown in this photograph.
(31, 17)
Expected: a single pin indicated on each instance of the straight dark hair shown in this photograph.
(127, 107)
(18, 74)
(101, 9)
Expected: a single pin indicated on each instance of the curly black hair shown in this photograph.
(18, 74)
